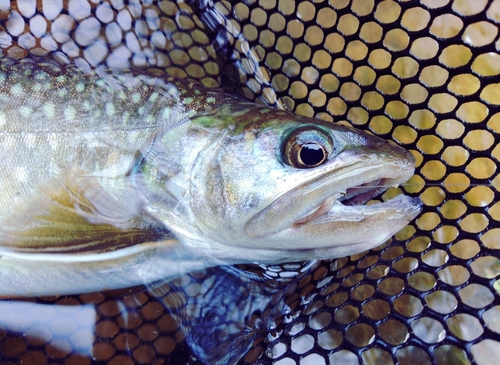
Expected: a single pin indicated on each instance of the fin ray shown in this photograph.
(75, 214)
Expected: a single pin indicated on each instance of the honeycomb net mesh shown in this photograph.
(424, 74)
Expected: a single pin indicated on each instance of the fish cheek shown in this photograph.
(214, 196)
(207, 190)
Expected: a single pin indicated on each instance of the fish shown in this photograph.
(111, 179)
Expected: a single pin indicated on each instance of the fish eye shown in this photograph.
(307, 147)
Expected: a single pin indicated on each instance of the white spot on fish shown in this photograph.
(86, 105)
(153, 97)
(124, 19)
(48, 43)
(62, 27)
(17, 89)
(118, 59)
(40, 75)
(113, 33)
(61, 79)
(26, 41)
(125, 117)
(4, 5)
(96, 52)
(70, 48)
(3, 118)
(70, 113)
(50, 110)
(166, 113)
(80, 87)
(117, 4)
(25, 111)
(152, 19)
(136, 98)
(132, 42)
(62, 92)
(158, 39)
(110, 109)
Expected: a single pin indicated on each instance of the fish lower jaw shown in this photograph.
(399, 208)
(346, 230)
(355, 198)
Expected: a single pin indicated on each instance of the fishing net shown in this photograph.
(424, 74)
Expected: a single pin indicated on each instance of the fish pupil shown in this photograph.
(312, 154)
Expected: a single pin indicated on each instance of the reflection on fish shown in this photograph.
(113, 179)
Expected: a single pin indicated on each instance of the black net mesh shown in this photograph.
(424, 74)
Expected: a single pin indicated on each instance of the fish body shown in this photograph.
(113, 179)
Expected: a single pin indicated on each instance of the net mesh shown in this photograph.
(424, 74)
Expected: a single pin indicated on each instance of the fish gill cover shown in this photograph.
(424, 74)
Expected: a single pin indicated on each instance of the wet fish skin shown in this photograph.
(96, 122)
(114, 179)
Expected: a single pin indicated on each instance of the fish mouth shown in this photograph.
(357, 195)
(342, 223)
(337, 199)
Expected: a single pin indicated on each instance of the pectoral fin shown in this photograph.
(74, 214)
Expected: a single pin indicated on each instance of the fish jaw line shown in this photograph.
(355, 198)
(326, 192)
(347, 230)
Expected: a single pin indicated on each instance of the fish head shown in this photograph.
(271, 186)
